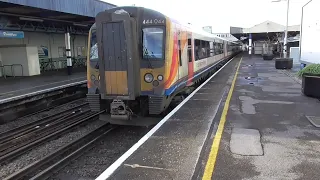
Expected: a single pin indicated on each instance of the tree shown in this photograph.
(273, 40)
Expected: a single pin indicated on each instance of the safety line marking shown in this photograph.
(113, 167)
(207, 175)
(146, 167)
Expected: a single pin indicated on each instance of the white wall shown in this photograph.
(15, 55)
(310, 34)
(33, 60)
(21, 55)
(49, 40)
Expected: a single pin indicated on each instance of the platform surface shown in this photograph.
(13, 88)
(271, 103)
(266, 134)
(172, 152)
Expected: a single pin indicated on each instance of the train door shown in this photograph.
(190, 58)
(225, 49)
(182, 54)
(115, 61)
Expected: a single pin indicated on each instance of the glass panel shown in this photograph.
(93, 47)
(94, 57)
(152, 43)
(62, 51)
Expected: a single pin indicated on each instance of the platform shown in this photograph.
(247, 128)
(267, 134)
(20, 87)
(172, 152)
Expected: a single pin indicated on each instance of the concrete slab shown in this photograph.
(246, 142)
(279, 111)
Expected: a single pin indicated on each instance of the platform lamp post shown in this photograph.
(286, 30)
(68, 51)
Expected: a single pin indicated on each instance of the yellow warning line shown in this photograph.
(216, 142)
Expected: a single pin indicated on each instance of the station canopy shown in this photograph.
(50, 15)
(264, 30)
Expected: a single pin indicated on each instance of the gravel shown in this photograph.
(26, 120)
(92, 163)
(49, 147)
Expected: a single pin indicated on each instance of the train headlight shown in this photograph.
(148, 77)
(160, 77)
(93, 78)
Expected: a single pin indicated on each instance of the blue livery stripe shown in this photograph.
(178, 84)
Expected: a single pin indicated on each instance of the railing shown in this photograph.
(47, 64)
(2, 71)
(12, 68)
(55, 64)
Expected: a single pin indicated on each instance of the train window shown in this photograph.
(207, 48)
(179, 46)
(211, 49)
(222, 48)
(197, 49)
(218, 48)
(94, 57)
(152, 43)
(189, 50)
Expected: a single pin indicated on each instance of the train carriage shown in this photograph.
(140, 59)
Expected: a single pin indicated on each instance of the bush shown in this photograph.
(313, 69)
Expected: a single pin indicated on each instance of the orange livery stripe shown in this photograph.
(174, 63)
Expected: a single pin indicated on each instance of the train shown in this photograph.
(140, 60)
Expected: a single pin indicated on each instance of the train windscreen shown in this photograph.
(94, 57)
(153, 43)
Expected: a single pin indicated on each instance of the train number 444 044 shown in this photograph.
(153, 21)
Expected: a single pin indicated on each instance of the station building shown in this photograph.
(34, 35)
(259, 37)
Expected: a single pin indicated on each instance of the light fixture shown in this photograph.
(160, 77)
(148, 77)
(30, 19)
(82, 25)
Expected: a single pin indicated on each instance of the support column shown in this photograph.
(285, 42)
(68, 51)
(250, 44)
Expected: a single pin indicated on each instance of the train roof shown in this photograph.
(192, 28)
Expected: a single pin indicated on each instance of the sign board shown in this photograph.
(12, 34)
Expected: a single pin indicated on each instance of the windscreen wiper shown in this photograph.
(146, 53)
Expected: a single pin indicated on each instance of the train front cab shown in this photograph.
(131, 64)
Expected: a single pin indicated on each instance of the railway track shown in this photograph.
(22, 130)
(53, 162)
(17, 141)
(53, 107)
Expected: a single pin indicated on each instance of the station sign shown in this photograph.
(12, 34)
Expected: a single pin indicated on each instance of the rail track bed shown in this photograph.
(35, 116)
(32, 137)
(101, 154)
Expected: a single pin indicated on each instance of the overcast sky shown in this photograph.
(221, 14)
